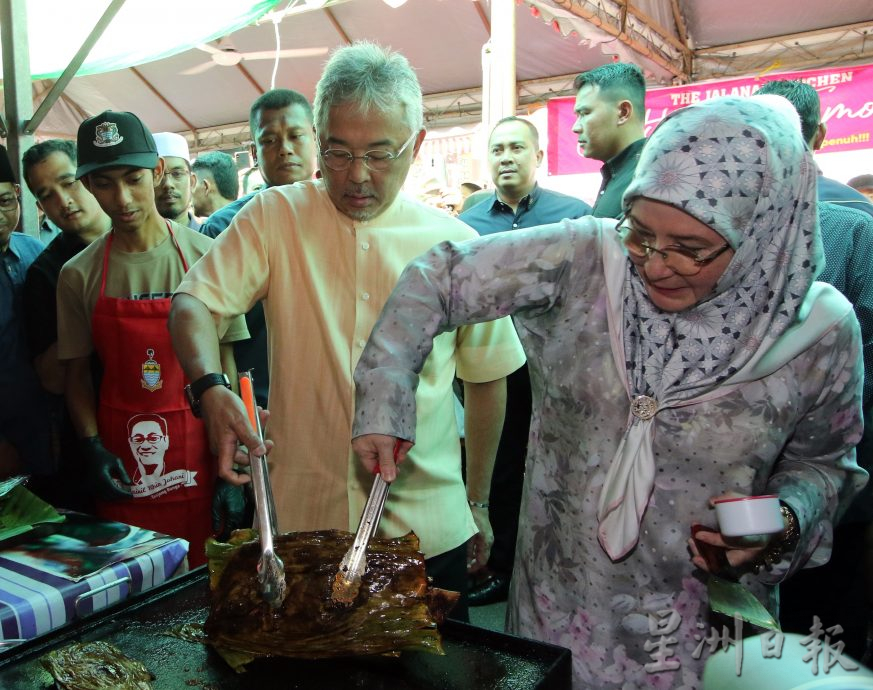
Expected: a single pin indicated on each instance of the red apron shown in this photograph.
(144, 419)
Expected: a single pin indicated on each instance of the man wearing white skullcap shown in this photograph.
(174, 193)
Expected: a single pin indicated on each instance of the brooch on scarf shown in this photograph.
(644, 407)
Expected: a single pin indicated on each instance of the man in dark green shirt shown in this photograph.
(610, 115)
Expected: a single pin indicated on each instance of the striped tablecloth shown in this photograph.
(34, 602)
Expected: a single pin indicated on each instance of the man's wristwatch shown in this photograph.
(194, 391)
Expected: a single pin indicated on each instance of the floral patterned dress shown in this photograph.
(642, 621)
(753, 389)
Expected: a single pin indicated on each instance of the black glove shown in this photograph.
(229, 509)
(104, 471)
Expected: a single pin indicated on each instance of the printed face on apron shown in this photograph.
(149, 442)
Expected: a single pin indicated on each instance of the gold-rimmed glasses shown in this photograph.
(378, 160)
(683, 260)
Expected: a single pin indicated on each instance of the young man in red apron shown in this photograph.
(147, 455)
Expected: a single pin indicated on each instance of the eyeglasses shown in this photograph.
(682, 260)
(8, 203)
(339, 160)
(151, 438)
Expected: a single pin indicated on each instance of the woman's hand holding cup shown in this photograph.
(746, 526)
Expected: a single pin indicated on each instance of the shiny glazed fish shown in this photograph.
(394, 609)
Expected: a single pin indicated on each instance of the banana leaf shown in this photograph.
(394, 609)
(20, 511)
(95, 666)
(732, 599)
(8, 484)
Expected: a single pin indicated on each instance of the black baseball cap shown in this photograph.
(113, 139)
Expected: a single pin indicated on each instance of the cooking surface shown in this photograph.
(475, 658)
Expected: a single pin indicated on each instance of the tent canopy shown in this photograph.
(206, 95)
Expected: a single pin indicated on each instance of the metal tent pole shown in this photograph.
(18, 99)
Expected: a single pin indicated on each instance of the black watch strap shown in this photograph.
(194, 391)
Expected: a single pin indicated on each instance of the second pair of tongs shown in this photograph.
(347, 581)
(271, 570)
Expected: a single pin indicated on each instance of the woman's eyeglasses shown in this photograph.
(682, 260)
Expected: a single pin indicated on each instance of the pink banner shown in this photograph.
(846, 106)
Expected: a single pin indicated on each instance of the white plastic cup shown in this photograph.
(746, 516)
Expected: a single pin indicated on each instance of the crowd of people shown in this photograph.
(701, 331)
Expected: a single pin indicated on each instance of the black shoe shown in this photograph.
(494, 589)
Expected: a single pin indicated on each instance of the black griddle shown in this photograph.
(475, 659)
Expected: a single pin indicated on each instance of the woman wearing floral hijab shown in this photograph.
(688, 356)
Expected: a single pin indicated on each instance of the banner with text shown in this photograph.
(846, 106)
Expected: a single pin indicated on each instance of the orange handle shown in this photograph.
(247, 394)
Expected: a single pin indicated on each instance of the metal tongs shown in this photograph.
(271, 570)
(347, 581)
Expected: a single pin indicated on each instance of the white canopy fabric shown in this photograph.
(142, 31)
(191, 93)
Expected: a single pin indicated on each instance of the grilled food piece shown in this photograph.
(394, 609)
(95, 666)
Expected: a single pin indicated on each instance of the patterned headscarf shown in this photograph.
(741, 167)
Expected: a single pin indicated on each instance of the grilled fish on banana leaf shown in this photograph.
(395, 608)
